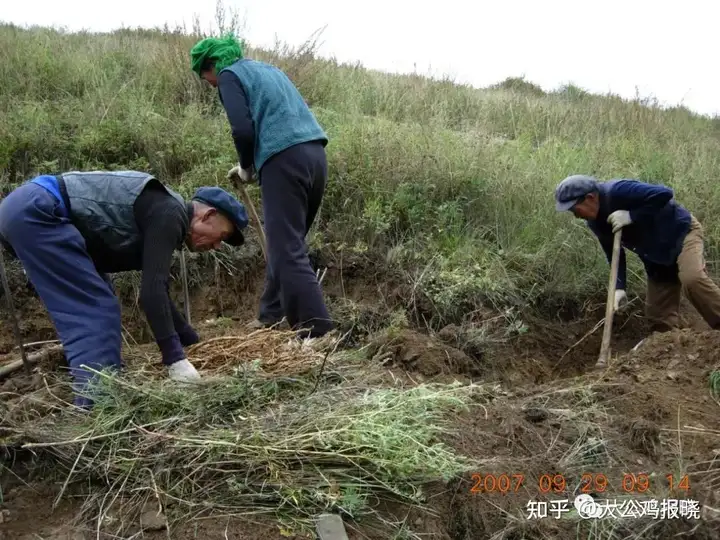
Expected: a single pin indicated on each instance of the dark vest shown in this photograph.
(281, 117)
(101, 207)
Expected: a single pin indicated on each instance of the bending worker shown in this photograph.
(667, 238)
(69, 230)
(277, 135)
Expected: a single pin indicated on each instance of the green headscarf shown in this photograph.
(221, 51)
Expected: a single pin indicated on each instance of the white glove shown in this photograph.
(619, 219)
(244, 175)
(620, 299)
(183, 371)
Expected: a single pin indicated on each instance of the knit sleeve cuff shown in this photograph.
(171, 349)
(188, 336)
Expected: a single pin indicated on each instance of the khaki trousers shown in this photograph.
(663, 299)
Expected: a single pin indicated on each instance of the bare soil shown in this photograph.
(651, 412)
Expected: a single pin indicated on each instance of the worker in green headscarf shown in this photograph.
(278, 137)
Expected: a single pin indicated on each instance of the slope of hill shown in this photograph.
(447, 185)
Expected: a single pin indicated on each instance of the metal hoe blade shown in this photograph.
(13, 313)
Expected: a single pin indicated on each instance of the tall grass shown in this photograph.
(450, 186)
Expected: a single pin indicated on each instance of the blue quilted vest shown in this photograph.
(282, 118)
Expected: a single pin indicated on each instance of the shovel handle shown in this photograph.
(258, 224)
(253, 213)
(610, 306)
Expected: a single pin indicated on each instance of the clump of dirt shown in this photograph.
(470, 340)
(35, 325)
(645, 437)
(21, 384)
(25, 397)
(416, 352)
(679, 349)
(356, 319)
(665, 371)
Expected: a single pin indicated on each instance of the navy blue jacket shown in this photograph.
(656, 234)
(234, 100)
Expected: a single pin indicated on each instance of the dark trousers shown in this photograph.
(81, 304)
(292, 184)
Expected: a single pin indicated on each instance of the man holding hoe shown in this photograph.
(277, 136)
(667, 238)
(69, 230)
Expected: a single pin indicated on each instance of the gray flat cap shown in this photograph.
(572, 190)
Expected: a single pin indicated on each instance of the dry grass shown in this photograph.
(272, 351)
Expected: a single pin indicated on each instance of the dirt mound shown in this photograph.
(678, 350)
(649, 416)
(665, 378)
(416, 352)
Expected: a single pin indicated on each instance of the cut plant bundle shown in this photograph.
(249, 445)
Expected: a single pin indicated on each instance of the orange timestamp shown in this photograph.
(556, 483)
(630, 483)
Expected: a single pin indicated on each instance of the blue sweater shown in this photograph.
(263, 103)
(659, 226)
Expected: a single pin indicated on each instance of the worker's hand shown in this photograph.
(620, 299)
(619, 219)
(183, 371)
(237, 173)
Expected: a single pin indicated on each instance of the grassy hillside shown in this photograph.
(450, 187)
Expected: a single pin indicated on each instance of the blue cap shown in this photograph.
(229, 206)
(572, 190)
